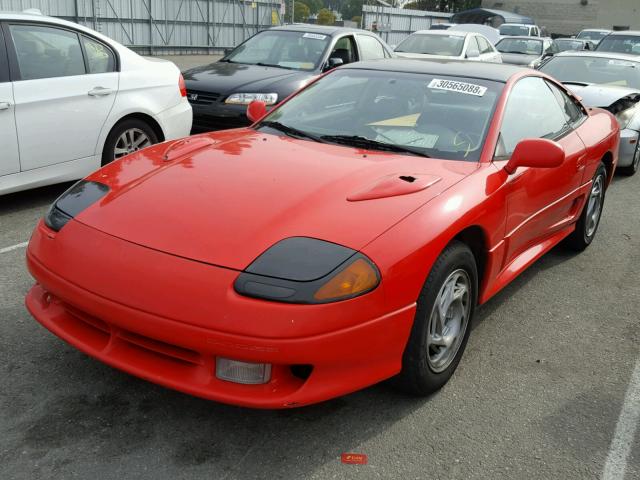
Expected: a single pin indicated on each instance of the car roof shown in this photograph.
(520, 37)
(601, 54)
(498, 72)
(518, 25)
(633, 33)
(594, 30)
(444, 33)
(323, 29)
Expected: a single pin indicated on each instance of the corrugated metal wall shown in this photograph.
(164, 26)
(395, 24)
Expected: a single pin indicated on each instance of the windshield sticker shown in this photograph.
(460, 87)
(315, 36)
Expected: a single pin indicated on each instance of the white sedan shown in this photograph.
(448, 44)
(72, 100)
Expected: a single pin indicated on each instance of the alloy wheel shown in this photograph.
(594, 207)
(130, 141)
(449, 320)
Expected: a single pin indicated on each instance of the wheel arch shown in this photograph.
(148, 119)
(475, 237)
(607, 159)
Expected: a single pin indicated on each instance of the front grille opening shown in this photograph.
(301, 371)
(162, 348)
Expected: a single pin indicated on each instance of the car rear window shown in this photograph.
(446, 45)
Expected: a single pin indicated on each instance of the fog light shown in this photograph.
(242, 372)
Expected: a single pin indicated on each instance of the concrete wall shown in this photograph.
(570, 16)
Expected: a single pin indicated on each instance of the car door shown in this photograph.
(9, 158)
(540, 201)
(60, 105)
(370, 48)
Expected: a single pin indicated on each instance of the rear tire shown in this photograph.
(441, 327)
(635, 164)
(126, 137)
(589, 220)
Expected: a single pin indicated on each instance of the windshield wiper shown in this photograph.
(363, 142)
(576, 82)
(262, 64)
(290, 131)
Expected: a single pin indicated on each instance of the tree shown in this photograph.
(351, 8)
(301, 12)
(326, 17)
(314, 5)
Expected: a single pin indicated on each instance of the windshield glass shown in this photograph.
(435, 116)
(516, 30)
(620, 44)
(448, 45)
(568, 44)
(607, 71)
(592, 35)
(520, 45)
(295, 50)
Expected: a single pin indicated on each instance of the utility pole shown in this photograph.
(293, 10)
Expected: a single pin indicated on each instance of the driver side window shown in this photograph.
(345, 50)
(532, 111)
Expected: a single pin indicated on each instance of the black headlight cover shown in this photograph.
(80, 196)
(295, 268)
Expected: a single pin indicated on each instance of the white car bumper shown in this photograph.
(176, 121)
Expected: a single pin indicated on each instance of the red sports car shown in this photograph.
(346, 237)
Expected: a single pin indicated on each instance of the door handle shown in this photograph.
(100, 92)
(5, 105)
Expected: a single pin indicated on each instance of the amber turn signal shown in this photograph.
(357, 278)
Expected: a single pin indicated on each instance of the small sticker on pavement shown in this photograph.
(354, 458)
(460, 87)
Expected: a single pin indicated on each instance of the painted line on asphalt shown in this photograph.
(626, 428)
(13, 247)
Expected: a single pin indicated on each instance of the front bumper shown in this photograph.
(75, 300)
(218, 116)
(628, 144)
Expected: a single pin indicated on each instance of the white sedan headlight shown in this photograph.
(247, 98)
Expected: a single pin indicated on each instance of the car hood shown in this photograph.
(225, 78)
(518, 58)
(224, 198)
(602, 96)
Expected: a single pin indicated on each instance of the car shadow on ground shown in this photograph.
(34, 198)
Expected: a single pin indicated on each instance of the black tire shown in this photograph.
(130, 124)
(635, 164)
(418, 377)
(582, 237)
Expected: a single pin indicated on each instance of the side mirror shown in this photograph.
(256, 111)
(227, 51)
(333, 62)
(535, 153)
(473, 54)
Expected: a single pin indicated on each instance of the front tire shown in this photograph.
(442, 323)
(126, 137)
(589, 220)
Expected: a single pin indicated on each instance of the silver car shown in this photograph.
(610, 81)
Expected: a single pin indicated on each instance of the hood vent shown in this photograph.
(394, 185)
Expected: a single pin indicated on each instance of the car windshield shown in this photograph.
(414, 113)
(285, 49)
(620, 44)
(520, 45)
(446, 45)
(567, 44)
(608, 71)
(516, 30)
(592, 35)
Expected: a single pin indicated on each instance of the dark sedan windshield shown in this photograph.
(446, 45)
(422, 114)
(520, 45)
(620, 44)
(278, 48)
(587, 69)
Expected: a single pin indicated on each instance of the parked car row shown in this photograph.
(342, 235)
